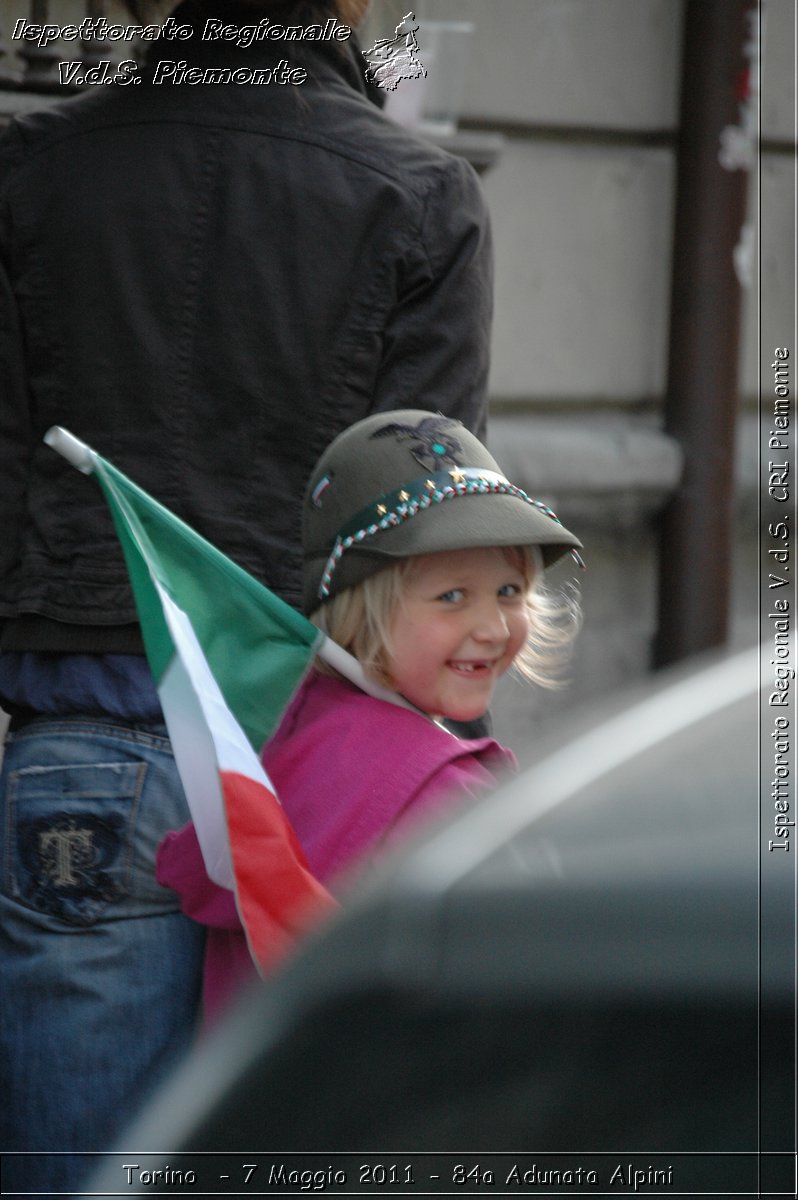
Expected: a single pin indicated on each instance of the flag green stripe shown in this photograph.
(155, 632)
(257, 646)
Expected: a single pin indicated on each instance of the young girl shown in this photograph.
(425, 563)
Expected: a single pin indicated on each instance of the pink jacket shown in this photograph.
(354, 775)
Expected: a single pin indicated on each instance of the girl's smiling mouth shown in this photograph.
(469, 666)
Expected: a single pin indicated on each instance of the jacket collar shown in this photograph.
(323, 60)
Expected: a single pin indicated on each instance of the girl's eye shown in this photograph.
(510, 589)
(452, 597)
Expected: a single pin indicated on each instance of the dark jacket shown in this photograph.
(206, 284)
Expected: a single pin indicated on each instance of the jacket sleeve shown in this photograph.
(436, 345)
(179, 865)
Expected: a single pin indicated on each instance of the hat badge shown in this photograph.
(433, 447)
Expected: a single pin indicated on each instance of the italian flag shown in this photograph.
(227, 655)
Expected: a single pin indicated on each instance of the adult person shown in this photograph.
(206, 283)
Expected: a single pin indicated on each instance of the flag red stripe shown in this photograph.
(278, 897)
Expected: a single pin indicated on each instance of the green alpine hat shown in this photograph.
(411, 482)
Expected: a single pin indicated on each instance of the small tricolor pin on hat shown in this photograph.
(319, 490)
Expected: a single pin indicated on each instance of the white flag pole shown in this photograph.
(73, 449)
(347, 665)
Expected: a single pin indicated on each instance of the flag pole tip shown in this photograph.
(73, 450)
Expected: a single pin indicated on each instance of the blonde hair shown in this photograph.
(359, 618)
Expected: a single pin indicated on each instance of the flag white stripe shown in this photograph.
(206, 739)
(199, 773)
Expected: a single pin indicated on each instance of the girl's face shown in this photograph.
(461, 621)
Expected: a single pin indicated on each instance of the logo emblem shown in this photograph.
(393, 59)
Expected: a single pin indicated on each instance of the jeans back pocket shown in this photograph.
(69, 837)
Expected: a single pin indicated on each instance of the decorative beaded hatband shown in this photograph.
(405, 502)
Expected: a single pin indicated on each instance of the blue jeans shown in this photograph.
(101, 973)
